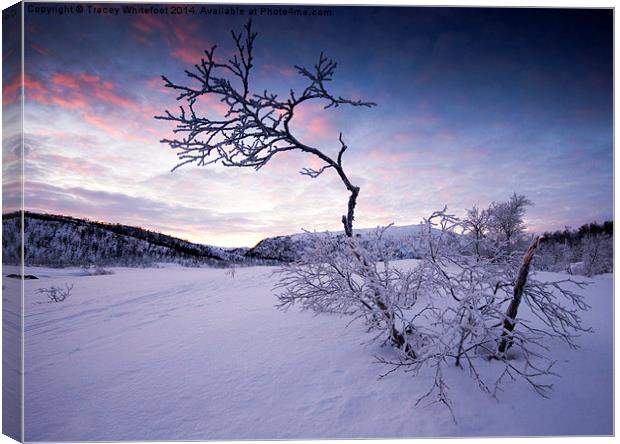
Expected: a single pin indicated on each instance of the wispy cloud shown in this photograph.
(471, 107)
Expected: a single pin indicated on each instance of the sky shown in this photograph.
(472, 105)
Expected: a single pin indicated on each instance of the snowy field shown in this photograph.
(180, 353)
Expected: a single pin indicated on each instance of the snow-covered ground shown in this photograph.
(181, 353)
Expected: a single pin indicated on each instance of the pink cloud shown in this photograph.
(77, 90)
(69, 103)
(65, 80)
(320, 126)
(74, 81)
(102, 124)
(10, 90)
(148, 23)
(89, 78)
(179, 34)
(184, 29)
(210, 104)
(157, 84)
(315, 163)
(33, 89)
(118, 128)
(188, 55)
(313, 122)
(110, 97)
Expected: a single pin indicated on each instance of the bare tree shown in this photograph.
(597, 250)
(256, 126)
(506, 220)
(477, 224)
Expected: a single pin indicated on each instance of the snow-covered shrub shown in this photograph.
(231, 271)
(597, 254)
(57, 294)
(475, 300)
(338, 275)
(458, 306)
(555, 257)
(96, 271)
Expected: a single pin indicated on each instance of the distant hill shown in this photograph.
(61, 241)
(66, 241)
(289, 248)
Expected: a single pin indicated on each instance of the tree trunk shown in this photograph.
(347, 220)
(397, 338)
(510, 316)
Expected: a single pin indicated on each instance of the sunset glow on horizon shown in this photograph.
(473, 105)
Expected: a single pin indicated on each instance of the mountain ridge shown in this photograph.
(59, 240)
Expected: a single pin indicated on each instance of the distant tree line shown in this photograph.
(587, 250)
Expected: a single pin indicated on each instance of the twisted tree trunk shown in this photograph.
(347, 220)
(510, 316)
(397, 338)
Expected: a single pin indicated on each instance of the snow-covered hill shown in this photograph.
(289, 248)
(65, 241)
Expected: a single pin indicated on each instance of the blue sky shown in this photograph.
(473, 105)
